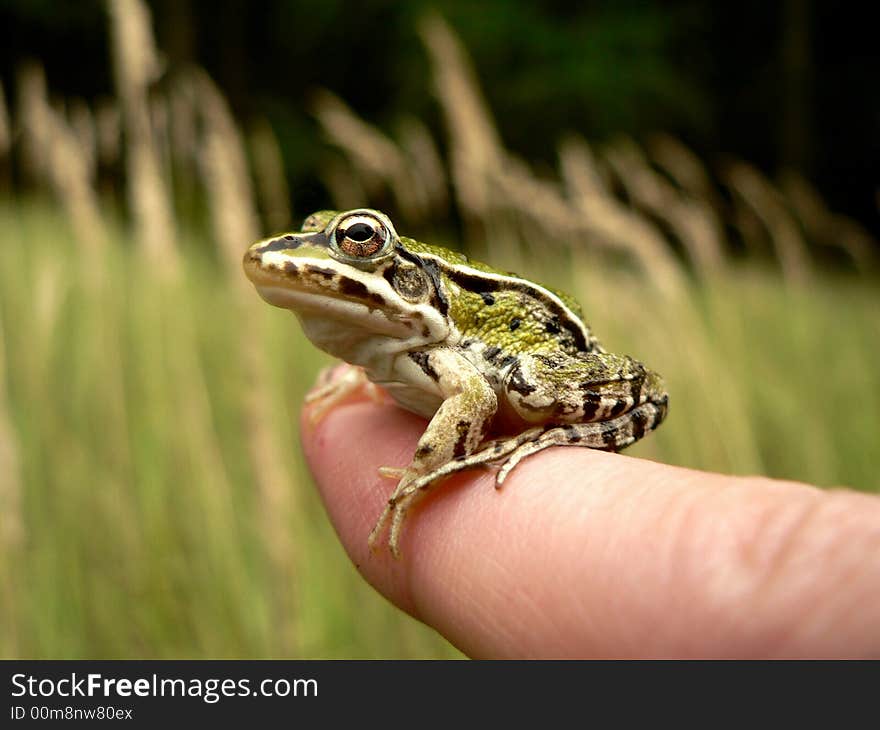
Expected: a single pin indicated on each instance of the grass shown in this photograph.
(143, 532)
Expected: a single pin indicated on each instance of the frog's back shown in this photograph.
(502, 312)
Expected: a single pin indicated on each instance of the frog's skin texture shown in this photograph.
(455, 341)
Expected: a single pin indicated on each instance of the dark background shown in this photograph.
(789, 85)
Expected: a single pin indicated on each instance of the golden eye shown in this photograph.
(361, 236)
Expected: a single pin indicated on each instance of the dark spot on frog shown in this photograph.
(423, 360)
(462, 428)
(488, 299)
(353, 288)
(356, 289)
(280, 244)
(619, 407)
(291, 268)
(490, 353)
(518, 383)
(319, 271)
(572, 434)
(552, 327)
(591, 405)
(514, 324)
(639, 424)
(609, 436)
(424, 450)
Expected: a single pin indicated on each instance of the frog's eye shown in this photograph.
(362, 235)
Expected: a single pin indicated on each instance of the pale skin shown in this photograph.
(591, 554)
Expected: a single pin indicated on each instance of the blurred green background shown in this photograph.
(703, 179)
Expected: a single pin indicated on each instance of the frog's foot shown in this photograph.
(335, 384)
(413, 486)
(391, 507)
(612, 435)
(395, 509)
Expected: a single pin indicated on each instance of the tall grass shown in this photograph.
(153, 500)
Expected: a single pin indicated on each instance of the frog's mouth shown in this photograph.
(320, 287)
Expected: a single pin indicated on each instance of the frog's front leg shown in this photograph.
(456, 429)
(336, 383)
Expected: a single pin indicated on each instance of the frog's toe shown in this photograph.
(374, 392)
(379, 526)
(333, 389)
(520, 453)
(399, 510)
(392, 472)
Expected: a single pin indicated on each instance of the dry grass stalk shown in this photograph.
(685, 168)
(477, 155)
(767, 203)
(488, 180)
(274, 195)
(377, 159)
(56, 152)
(136, 66)
(235, 223)
(427, 165)
(71, 176)
(33, 121)
(608, 223)
(345, 187)
(826, 227)
(693, 222)
(224, 167)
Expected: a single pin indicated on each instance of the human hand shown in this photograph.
(589, 554)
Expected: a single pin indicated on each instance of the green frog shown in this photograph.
(503, 367)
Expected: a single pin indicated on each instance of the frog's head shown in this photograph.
(348, 275)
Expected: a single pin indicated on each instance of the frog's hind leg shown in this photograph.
(613, 435)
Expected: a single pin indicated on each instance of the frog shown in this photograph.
(501, 366)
